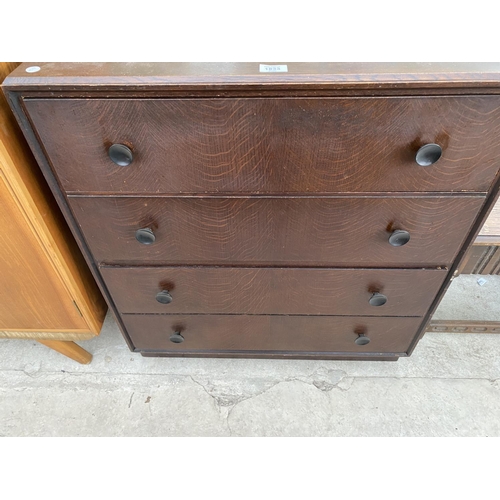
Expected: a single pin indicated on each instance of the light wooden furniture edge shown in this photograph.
(25, 184)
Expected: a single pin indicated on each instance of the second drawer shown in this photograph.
(315, 232)
(371, 292)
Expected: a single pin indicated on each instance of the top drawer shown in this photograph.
(280, 145)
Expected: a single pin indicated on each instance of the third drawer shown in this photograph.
(206, 290)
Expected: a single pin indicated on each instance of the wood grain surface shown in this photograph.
(273, 291)
(270, 145)
(47, 335)
(69, 349)
(28, 284)
(276, 231)
(312, 168)
(271, 333)
(45, 284)
(247, 76)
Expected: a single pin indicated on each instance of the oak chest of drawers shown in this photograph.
(319, 212)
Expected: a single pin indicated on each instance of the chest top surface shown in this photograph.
(256, 76)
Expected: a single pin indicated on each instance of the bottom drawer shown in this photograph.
(220, 333)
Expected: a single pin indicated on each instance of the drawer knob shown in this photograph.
(399, 238)
(428, 154)
(362, 339)
(145, 236)
(164, 297)
(120, 154)
(378, 299)
(176, 338)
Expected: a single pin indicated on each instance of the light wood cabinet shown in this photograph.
(47, 292)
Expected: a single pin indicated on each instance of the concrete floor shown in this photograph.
(449, 387)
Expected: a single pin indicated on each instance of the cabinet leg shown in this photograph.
(69, 349)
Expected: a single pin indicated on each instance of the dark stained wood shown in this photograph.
(484, 255)
(269, 355)
(270, 145)
(246, 76)
(488, 205)
(276, 231)
(192, 80)
(273, 291)
(221, 333)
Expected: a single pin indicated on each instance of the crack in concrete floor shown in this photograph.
(448, 387)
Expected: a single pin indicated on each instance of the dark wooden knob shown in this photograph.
(145, 236)
(164, 297)
(399, 238)
(428, 154)
(176, 338)
(120, 154)
(378, 299)
(362, 339)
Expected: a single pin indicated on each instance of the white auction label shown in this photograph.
(270, 68)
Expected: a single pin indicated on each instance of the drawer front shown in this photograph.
(273, 291)
(271, 333)
(330, 232)
(294, 145)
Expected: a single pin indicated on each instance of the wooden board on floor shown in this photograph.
(463, 326)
